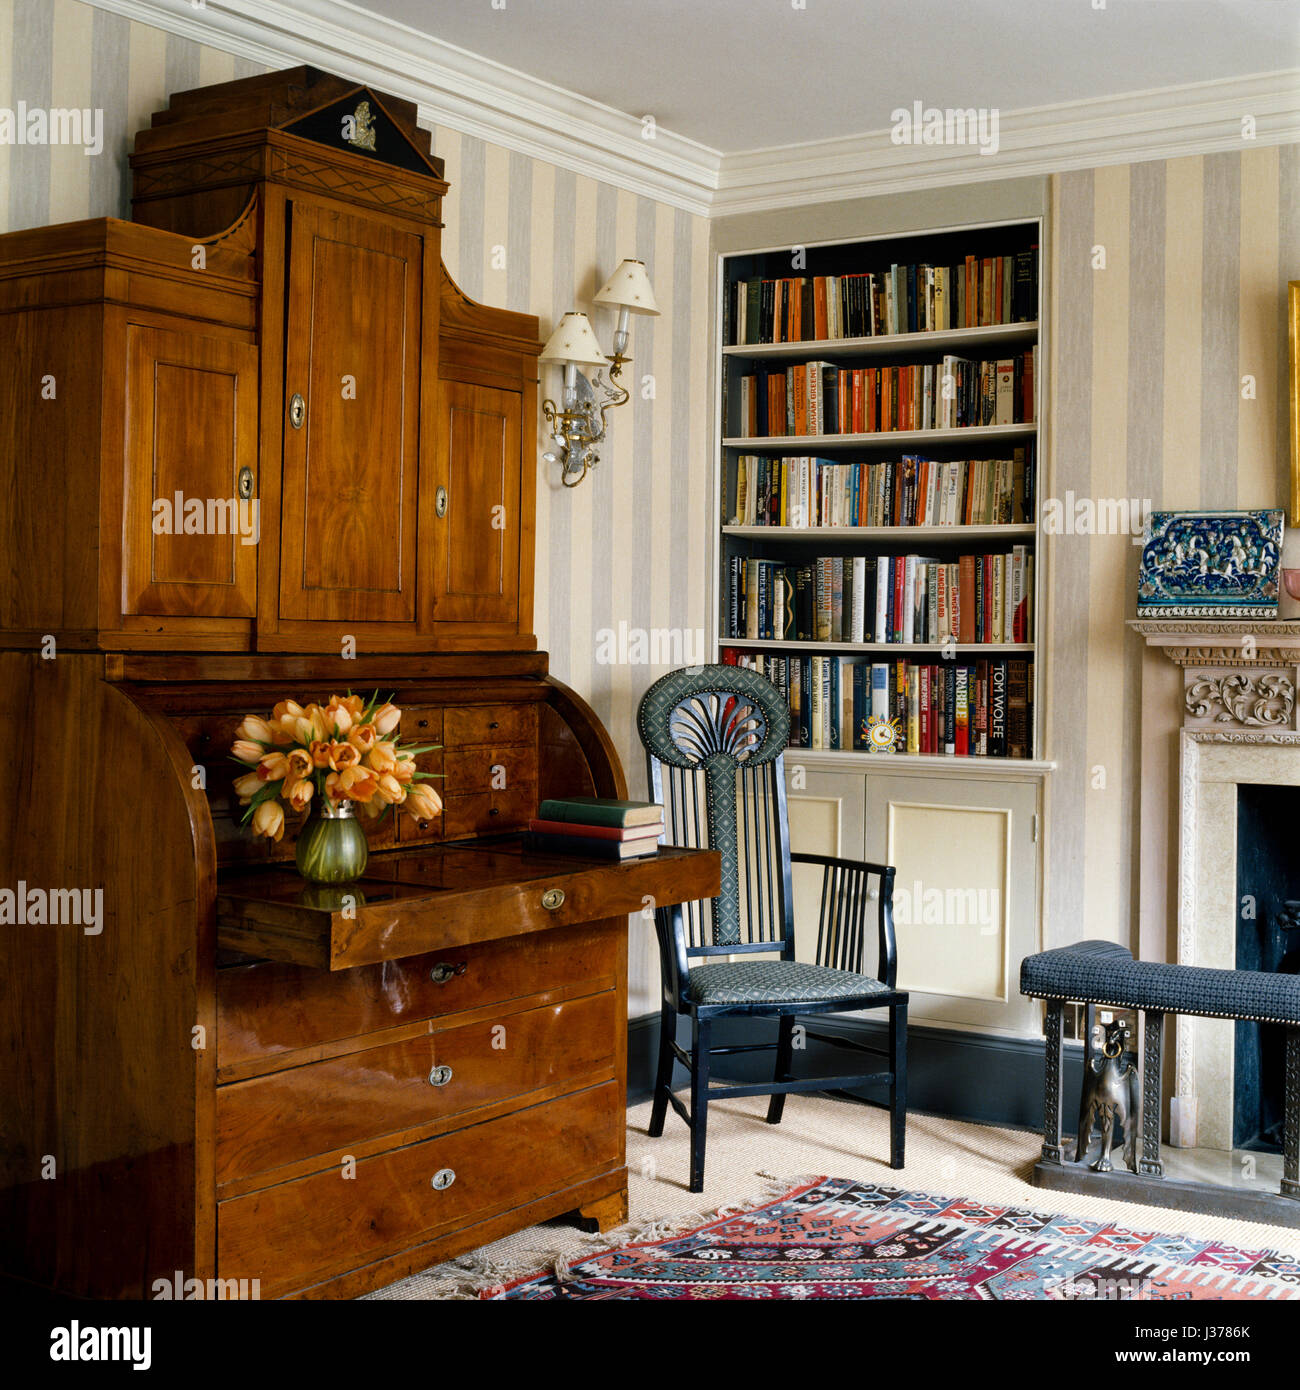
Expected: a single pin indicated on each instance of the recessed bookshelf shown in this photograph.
(878, 473)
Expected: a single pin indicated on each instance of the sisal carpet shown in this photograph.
(750, 1161)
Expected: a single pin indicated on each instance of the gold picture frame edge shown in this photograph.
(1293, 340)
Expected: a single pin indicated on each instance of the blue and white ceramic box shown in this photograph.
(1211, 564)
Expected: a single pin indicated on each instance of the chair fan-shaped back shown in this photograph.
(720, 732)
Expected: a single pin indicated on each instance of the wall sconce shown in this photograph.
(578, 423)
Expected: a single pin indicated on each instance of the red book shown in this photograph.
(900, 571)
(980, 708)
(597, 832)
(962, 712)
(819, 308)
(966, 598)
(924, 693)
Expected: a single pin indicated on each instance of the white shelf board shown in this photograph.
(915, 762)
(884, 344)
(883, 533)
(799, 444)
(840, 648)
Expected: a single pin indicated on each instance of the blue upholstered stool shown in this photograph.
(1102, 972)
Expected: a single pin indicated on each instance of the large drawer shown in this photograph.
(298, 1233)
(296, 1114)
(270, 1009)
(445, 895)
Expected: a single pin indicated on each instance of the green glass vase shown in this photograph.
(332, 845)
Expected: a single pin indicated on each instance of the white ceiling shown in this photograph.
(740, 75)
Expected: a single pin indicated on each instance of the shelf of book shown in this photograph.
(954, 534)
(879, 439)
(992, 335)
(823, 365)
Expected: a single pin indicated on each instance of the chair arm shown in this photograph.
(832, 862)
(887, 953)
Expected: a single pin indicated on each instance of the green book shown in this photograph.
(600, 810)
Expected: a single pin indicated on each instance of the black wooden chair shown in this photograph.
(714, 739)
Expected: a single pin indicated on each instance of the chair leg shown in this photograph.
(700, 1037)
(664, 1074)
(784, 1059)
(898, 1087)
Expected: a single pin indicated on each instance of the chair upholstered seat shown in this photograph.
(776, 982)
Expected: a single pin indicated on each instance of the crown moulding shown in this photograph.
(478, 97)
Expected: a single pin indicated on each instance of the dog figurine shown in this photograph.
(1111, 1092)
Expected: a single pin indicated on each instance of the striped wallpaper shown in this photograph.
(1149, 355)
(629, 544)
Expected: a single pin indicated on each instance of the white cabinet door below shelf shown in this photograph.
(965, 895)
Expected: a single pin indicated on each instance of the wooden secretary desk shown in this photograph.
(221, 1071)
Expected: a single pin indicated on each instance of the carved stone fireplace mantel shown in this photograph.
(1233, 722)
(1235, 675)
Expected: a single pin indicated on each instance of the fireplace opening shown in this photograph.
(1268, 938)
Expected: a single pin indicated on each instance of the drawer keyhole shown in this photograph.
(553, 898)
(443, 1179)
(444, 971)
(440, 1076)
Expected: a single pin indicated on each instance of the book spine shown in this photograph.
(961, 708)
(950, 674)
(1017, 708)
(997, 707)
(880, 689)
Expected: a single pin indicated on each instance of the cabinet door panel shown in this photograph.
(966, 894)
(826, 817)
(189, 546)
(477, 554)
(352, 352)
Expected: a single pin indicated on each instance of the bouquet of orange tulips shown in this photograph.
(346, 750)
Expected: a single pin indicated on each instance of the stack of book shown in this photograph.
(597, 827)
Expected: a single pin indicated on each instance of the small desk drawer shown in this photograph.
(271, 1008)
(488, 813)
(295, 1114)
(488, 769)
(298, 1233)
(466, 725)
(420, 724)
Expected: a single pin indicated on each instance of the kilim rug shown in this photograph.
(837, 1238)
